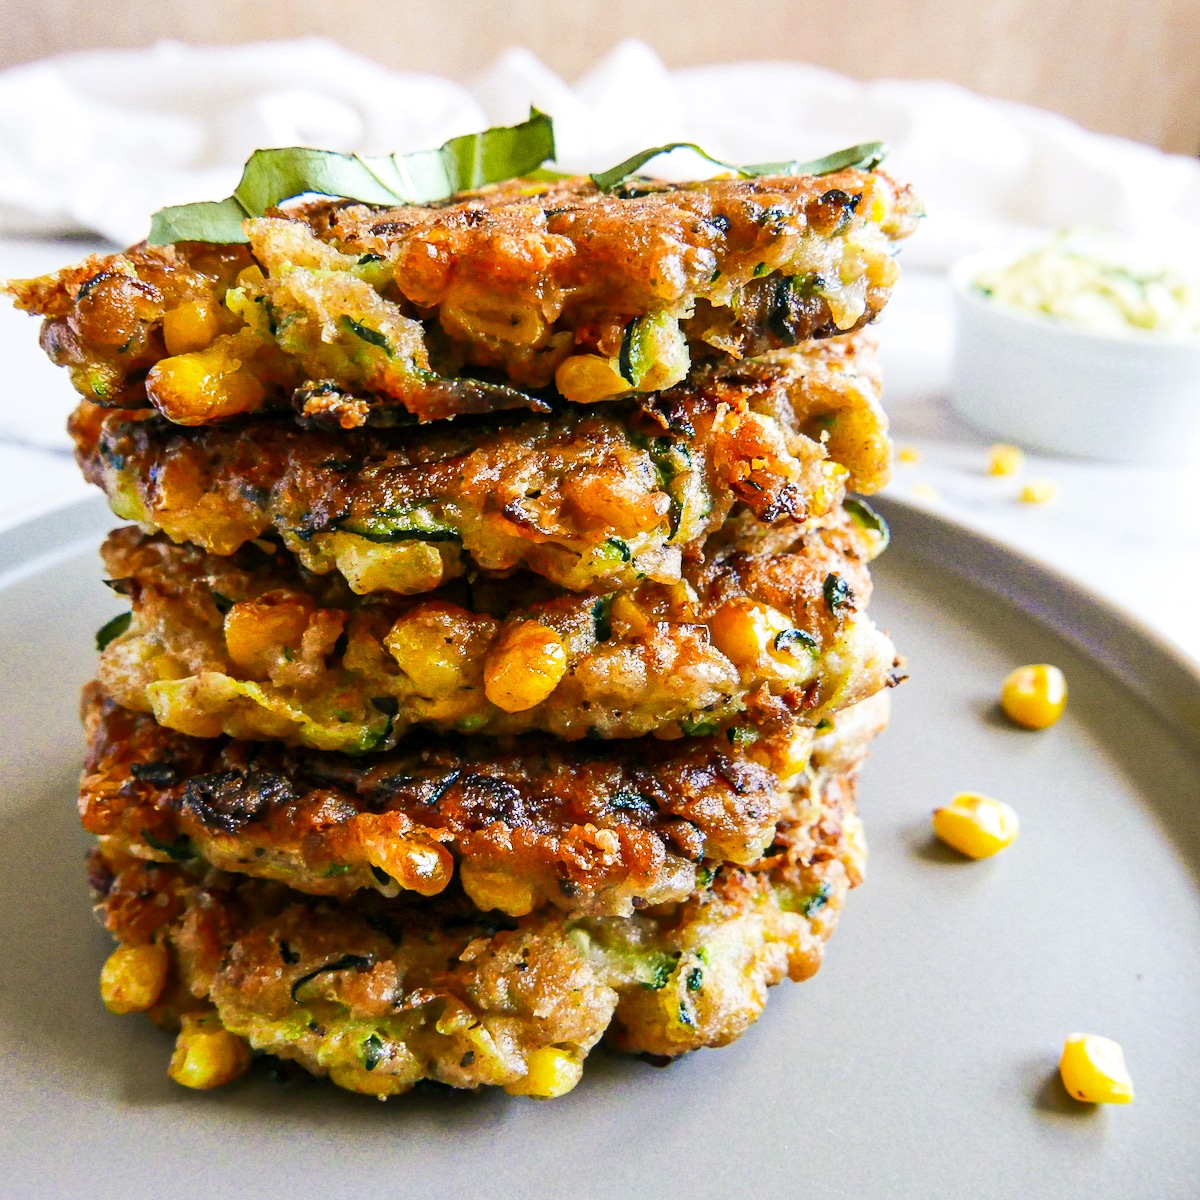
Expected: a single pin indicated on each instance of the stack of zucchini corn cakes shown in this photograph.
(498, 670)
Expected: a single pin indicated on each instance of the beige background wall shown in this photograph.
(1121, 66)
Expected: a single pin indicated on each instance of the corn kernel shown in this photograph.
(524, 667)
(404, 567)
(1038, 491)
(256, 632)
(380, 1084)
(626, 614)
(191, 326)
(206, 1054)
(436, 647)
(586, 378)
(739, 630)
(496, 889)
(197, 387)
(1093, 1070)
(744, 630)
(250, 276)
(830, 490)
(133, 978)
(908, 455)
(417, 866)
(550, 1072)
(1034, 696)
(976, 825)
(794, 756)
(1005, 460)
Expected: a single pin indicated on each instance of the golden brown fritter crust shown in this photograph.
(523, 822)
(591, 498)
(380, 993)
(386, 306)
(253, 646)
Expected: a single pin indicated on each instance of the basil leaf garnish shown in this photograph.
(272, 176)
(866, 157)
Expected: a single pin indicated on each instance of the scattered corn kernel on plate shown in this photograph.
(923, 1060)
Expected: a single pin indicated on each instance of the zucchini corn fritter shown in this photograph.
(765, 633)
(590, 498)
(591, 830)
(440, 749)
(379, 993)
(360, 314)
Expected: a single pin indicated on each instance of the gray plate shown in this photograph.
(920, 1062)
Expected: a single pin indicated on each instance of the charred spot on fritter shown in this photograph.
(229, 800)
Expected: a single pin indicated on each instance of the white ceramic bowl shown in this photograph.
(1047, 385)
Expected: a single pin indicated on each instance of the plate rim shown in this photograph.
(1145, 661)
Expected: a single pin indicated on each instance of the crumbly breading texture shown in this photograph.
(590, 498)
(521, 823)
(379, 994)
(251, 645)
(537, 283)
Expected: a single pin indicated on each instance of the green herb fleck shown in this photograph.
(369, 335)
(695, 979)
(791, 640)
(111, 630)
(223, 603)
(740, 736)
(813, 904)
(838, 593)
(372, 1052)
(625, 357)
(865, 517)
(634, 802)
(181, 849)
(660, 968)
(602, 618)
(356, 962)
(615, 546)
(699, 727)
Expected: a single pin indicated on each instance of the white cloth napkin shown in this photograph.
(99, 140)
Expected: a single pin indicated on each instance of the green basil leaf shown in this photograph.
(866, 157)
(207, 221)
(607, 180)
(272, 176)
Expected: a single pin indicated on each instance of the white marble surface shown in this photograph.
(1131, 534)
